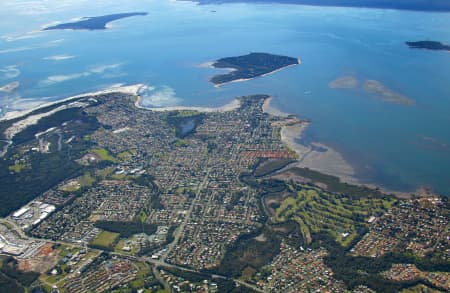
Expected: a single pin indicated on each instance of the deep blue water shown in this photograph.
(396, 146)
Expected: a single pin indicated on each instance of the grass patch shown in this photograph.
(105, 240)
(126, 155)
(16, 168)
(86, 180)
(182, 143)
(103, 154)
(317, 210)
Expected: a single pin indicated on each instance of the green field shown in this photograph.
(316, 210)
(103, 154)
(105, 240)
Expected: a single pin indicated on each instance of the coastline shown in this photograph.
(130, 89)
(317, 156)
(233, 105)
(269, 109)
(218, 85)
(320, 157)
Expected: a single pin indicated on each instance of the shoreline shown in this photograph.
(269, 109)
(218, 85)
(233, 105)
(315, 155)
(130, 89)
(320, 157)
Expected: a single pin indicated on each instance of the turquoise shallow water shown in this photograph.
(396, 146)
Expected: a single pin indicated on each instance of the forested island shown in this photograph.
(428, 45)
(250, 66)
(93, 23)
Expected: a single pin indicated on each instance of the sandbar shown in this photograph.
(10, 87)
(344, 82)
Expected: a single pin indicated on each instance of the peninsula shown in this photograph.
(92, 23)
(250, 66)
(428, 45)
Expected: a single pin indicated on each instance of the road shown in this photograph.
(179, 231)
(155, 262)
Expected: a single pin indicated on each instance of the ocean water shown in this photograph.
(396, 146)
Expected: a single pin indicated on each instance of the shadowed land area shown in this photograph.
(428, 45)
(420, 5)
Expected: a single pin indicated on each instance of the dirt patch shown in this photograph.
(282, 229)
(45, 259)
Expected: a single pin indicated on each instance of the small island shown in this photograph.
(250, 66)
(428, 45)
(375, 88)
(92, 23)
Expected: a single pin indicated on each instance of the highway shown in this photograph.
(154, 262)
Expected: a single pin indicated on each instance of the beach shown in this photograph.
(233, 105)
(315, 156)
(320, 157)
(269, 109)
(130, 89)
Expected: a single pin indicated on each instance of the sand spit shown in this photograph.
(130, 89)
(22, 124)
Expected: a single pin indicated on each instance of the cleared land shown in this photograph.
(105, 240)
